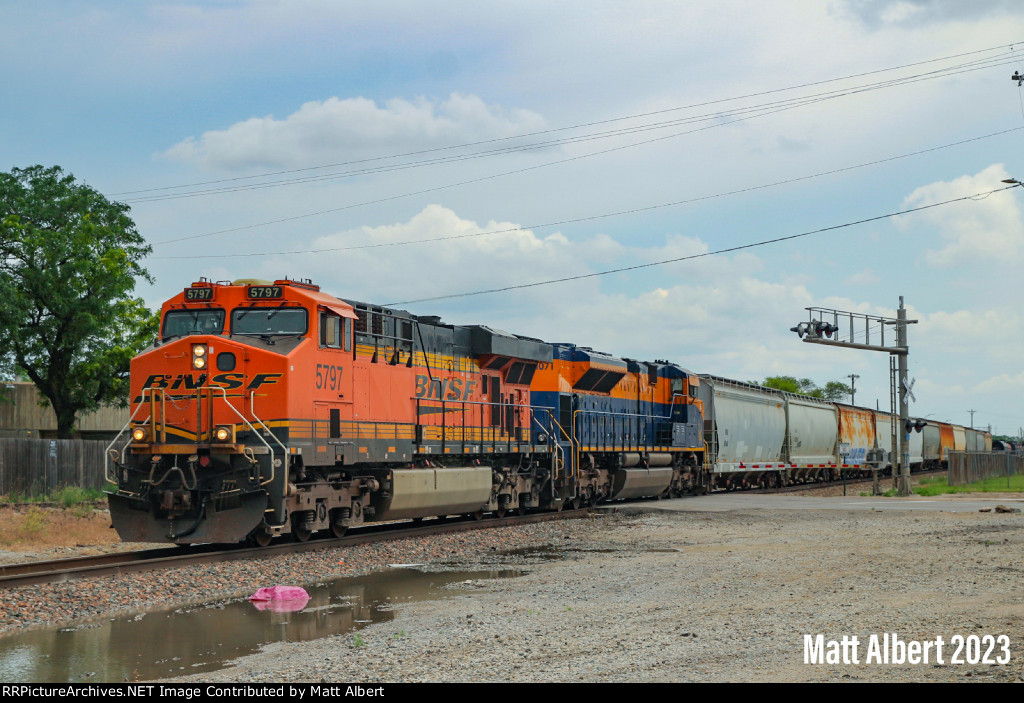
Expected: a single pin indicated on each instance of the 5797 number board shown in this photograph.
(193, 294)
(265, 292)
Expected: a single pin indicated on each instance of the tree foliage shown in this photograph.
(833, 390)
(69, 260)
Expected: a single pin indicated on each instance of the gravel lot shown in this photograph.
(696, 597)
(649, 597)
(70, 602)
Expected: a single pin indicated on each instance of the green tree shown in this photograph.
(69, 260)
(836, 391)
(791, 384)
(833, 390)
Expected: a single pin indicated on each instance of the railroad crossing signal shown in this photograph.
(912, 425)
(909, 394)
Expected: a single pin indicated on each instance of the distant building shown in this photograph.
(22, 416)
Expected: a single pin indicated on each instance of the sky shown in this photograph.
(406, 152)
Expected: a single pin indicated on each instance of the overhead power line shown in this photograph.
(1001, 47)
(749, 111)
(589, 218)
(727, 250)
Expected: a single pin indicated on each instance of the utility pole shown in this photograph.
(972, 416)
(853, 388)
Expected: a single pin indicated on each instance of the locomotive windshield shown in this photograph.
(181, 323)
(264, 321)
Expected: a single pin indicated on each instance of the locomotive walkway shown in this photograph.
(730, 502)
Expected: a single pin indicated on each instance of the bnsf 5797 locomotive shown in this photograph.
(273, 408)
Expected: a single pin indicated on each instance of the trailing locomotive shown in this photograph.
(274, 408)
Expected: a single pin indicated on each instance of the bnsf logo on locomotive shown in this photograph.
(187, 381)
(444, 388)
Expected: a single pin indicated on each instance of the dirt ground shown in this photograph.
(39, 533)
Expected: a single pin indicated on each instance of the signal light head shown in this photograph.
(917, 425)
(820, 329)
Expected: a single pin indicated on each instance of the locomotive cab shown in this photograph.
(212, 447)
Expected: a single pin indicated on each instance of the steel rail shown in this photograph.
(817, 485)
(62, 570)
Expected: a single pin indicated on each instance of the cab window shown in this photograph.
(268, 321)
(335, 331)
(182, 323)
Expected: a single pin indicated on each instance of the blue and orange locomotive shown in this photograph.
(269, 408)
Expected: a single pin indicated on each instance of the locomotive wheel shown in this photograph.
(259, 537)
(338, 530)
(300, 534)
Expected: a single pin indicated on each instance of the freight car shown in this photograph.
(268, 408)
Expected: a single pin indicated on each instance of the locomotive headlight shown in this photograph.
(222, 434)
(199, 356)
(139, 434)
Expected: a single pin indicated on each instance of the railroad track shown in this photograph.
(59, 570)
(828, 484)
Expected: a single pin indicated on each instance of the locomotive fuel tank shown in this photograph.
(415, 493)
(635, 483)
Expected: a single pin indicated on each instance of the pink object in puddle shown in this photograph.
(280, 599)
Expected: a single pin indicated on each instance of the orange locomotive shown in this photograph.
(271, 408)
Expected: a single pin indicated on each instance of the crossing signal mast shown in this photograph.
(822, 327)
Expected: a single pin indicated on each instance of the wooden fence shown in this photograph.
(35, 467)
(968, 467)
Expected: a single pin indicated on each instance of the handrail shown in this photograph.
(252, 411)
(558, 447)
(199, 396)
(106, 453)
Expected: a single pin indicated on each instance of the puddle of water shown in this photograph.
(551, 553)
(165, 643)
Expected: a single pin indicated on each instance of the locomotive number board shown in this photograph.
(265, 292)
(194, 294)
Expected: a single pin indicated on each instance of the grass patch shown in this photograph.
(66, 497)
(933, 486)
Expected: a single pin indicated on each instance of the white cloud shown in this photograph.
(1003, 383)
(337, 130)
(988, 230)
(710, 314)
(867, 277)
